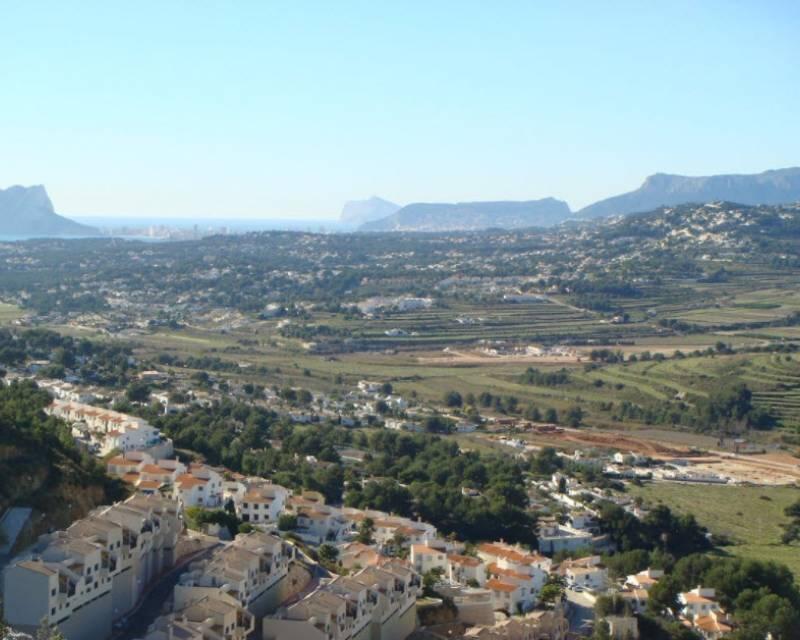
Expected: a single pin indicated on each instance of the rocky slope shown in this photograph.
(28, 211)
(781, 186)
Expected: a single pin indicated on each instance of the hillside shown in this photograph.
(716, 225)
(40, 466)
(781, 186)
(28, 211)
(471, 216)
(361, 211)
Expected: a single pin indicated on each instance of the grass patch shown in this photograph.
(751, 517)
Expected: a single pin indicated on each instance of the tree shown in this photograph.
(137, 392)
(287, 522)
(365, 531)
(663, 596)
(453, 399)
(551, 415)
(328, 554)
(399, 542)
(430, 579)
(574, 416)
(553, 590)
(381, 407)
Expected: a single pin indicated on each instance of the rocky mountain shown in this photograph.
(28, 211)
(470, 216)
(781, 186)
(361, 211)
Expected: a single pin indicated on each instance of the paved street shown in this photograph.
(156, 601)
(580, 612)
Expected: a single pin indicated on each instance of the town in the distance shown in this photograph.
(496, 428)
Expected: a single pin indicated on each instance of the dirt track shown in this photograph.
(766, 469)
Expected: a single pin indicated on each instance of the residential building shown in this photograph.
(200, 486)
(354, 555)
(377, 603)
(465, 570)
(554, 537)
(701, 611)
(644, 579)
(261, 503)
(84, 578)
(103, 431)
(589, 573)
(212, 617)
(247, 570)
(537, 625)
(423, 558)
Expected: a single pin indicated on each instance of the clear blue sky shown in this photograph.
(280, 109)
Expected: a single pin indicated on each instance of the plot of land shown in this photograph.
(750, 517)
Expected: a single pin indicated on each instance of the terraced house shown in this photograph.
(249, 570)
(84, 578)
(213, 617)
(377, 603)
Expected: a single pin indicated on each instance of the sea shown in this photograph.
(234, 225)
(122, 227)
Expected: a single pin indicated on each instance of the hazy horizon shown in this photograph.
(268, 112)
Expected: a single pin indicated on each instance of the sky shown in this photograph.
(288, 109)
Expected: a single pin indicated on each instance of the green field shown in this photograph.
(750, 517)
(9, 313)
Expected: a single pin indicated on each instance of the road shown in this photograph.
(157, 598)
(580, 612)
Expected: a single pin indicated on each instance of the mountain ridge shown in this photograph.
(471, 216)
(28, 211)
(771, 187)
(361, 211)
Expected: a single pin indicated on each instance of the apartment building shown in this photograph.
(261, 502)
(247, 570)
(424, 558)
(377, 603)
(84, 578)
(103, 431)
(554, 537)
(200, 486)
(195, 485)
(212, 617)
(316, 521)
(146, 473)
(538, 625)
(465, 569)
(589, 573)
(354, 555)
(515, 576)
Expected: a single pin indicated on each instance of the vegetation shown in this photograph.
(41, 466)
(749, 521)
